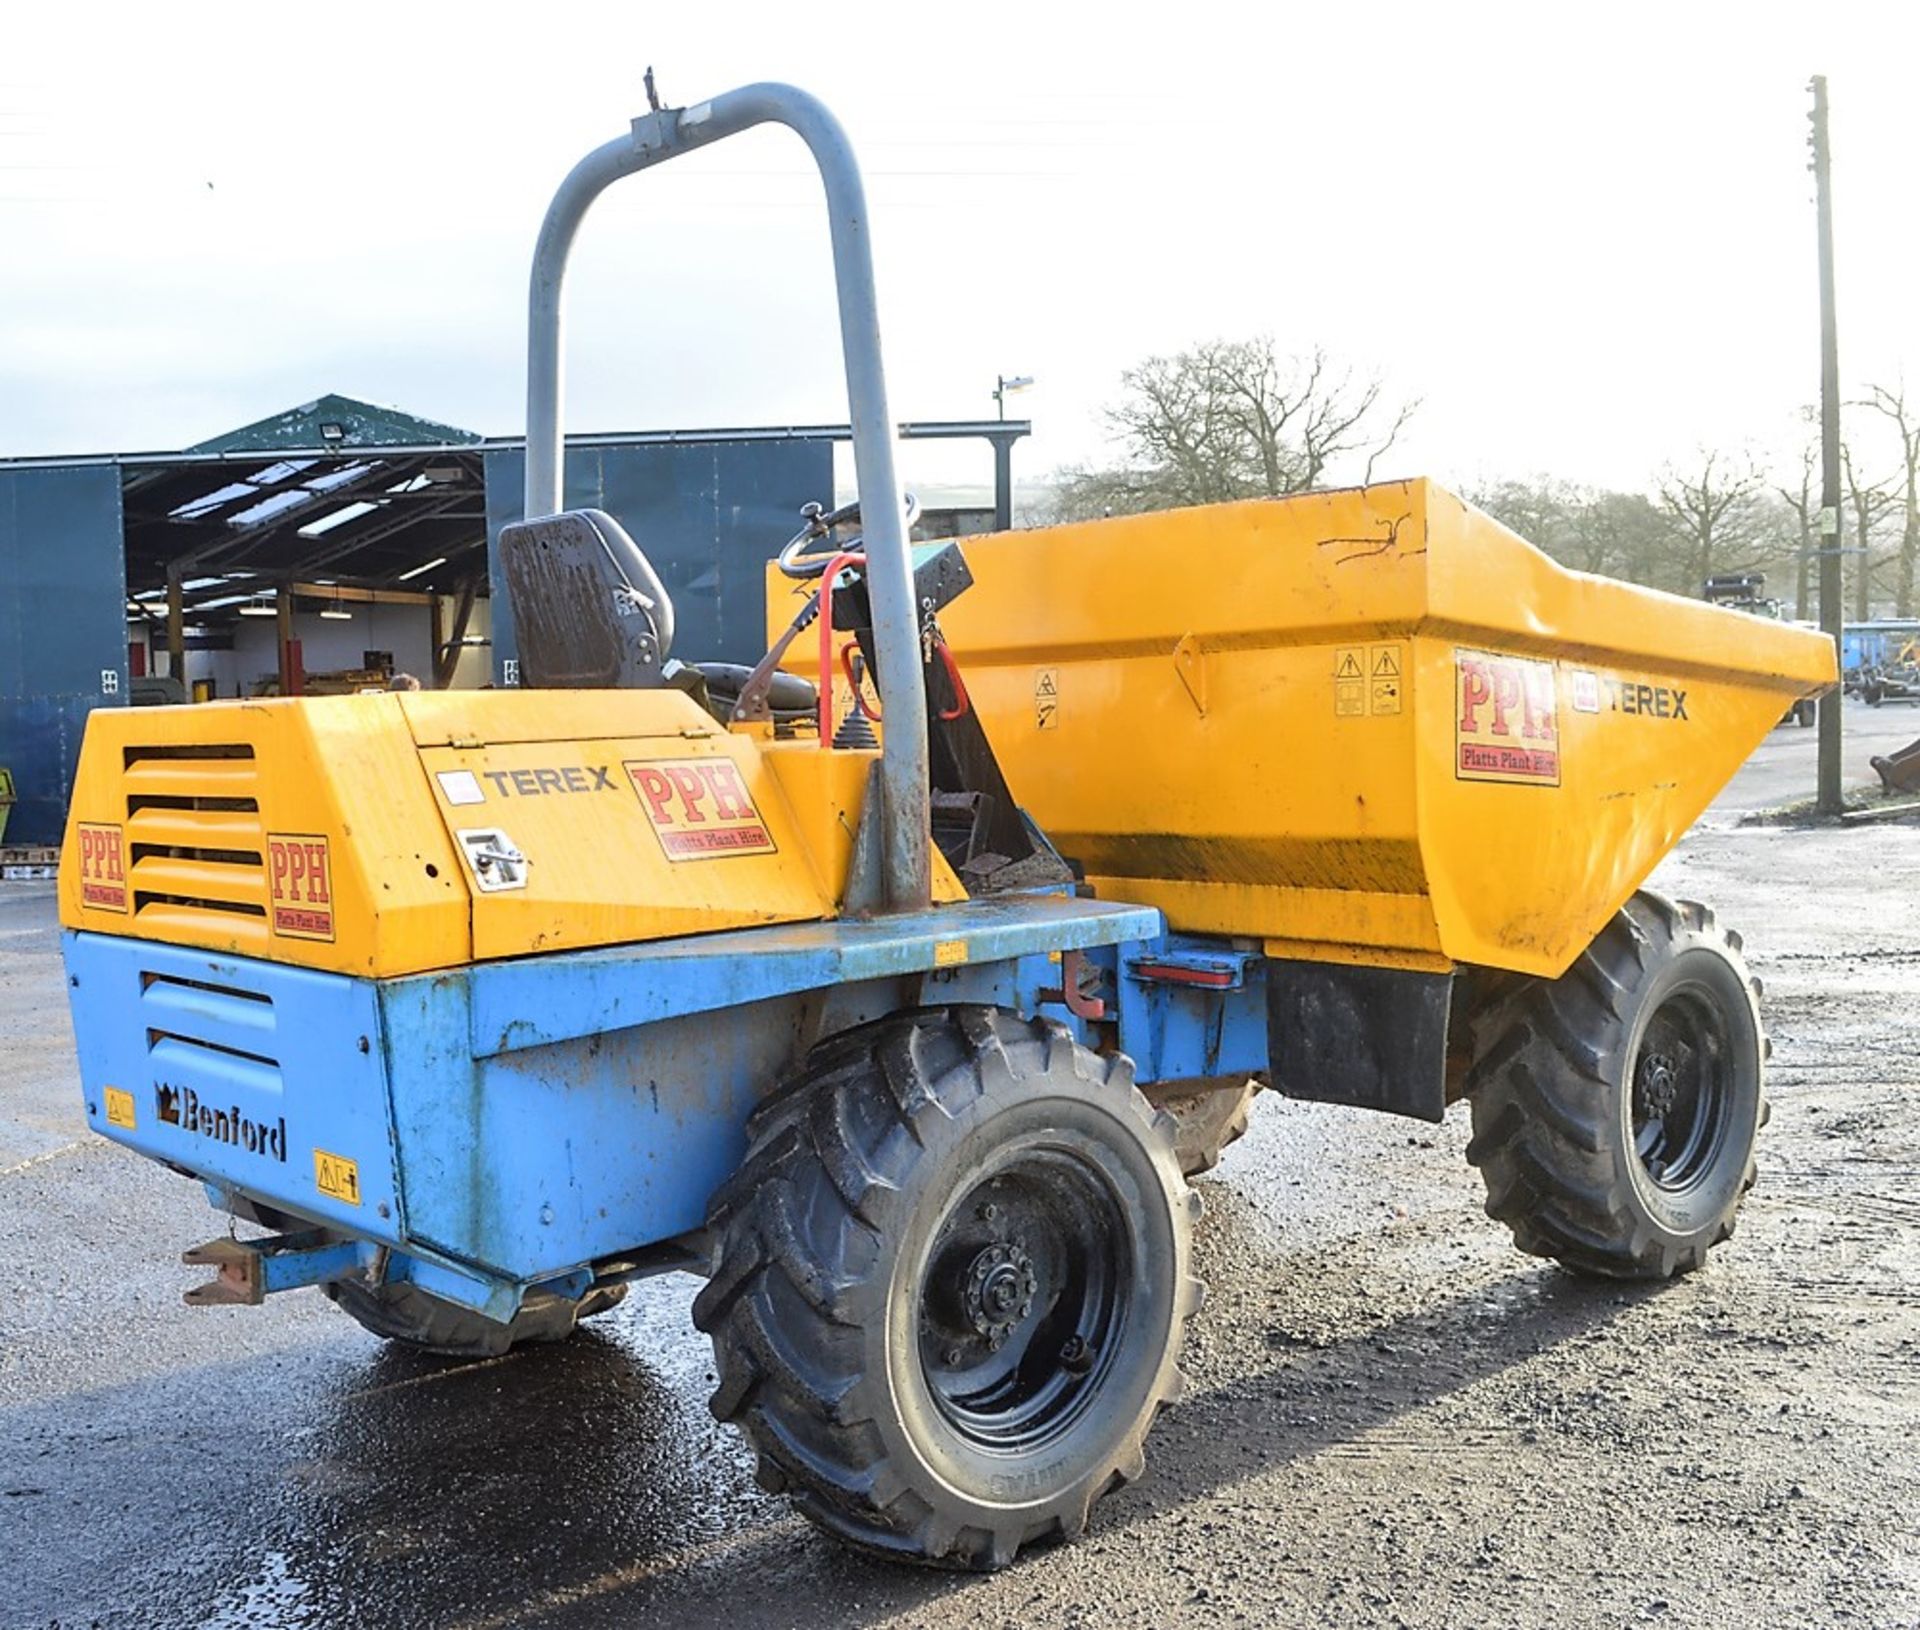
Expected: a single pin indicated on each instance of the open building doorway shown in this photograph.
(328, 550)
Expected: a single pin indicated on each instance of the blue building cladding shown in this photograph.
(708, 514)
(63, 631)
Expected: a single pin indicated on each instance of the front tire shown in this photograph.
(951, 1284)
(1615, 1108)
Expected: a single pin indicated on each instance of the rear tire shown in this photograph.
(1615, 1108)
(413, 1317)
(951, 1283)
(1207, 1118)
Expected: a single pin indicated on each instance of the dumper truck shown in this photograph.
(1747, 591)
(475, 1007)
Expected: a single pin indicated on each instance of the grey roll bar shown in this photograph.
(666, 133)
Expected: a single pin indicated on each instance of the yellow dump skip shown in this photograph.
(1370, 725)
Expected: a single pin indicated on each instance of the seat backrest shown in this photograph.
(589, 611)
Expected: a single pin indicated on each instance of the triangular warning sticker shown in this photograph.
(1349, 666)
(1386, 665)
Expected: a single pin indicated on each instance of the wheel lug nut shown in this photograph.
(953, 1355)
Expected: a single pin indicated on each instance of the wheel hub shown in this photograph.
(1657, 1087)
(999, 1290)
(1683, 1085)
(1028, 1294)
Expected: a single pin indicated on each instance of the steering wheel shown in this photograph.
(803, 557)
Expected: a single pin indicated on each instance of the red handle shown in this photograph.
(961, 701)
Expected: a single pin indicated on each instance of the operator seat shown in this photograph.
(590, 613)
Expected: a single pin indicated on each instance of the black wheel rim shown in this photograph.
(1025, 1299)
(1682, 1090)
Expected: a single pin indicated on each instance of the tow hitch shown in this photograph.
(251, 1269)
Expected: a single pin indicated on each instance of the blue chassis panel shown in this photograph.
(511, 1123)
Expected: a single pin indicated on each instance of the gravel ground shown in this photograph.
(1395, 1419)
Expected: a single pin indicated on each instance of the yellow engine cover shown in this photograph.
(377, 834)
(1369, 725)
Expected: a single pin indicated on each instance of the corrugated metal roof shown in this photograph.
(910, 430)
(336, 422)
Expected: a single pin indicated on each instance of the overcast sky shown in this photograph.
(1582, 234)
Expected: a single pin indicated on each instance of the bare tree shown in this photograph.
(1619, 534)
(1891, 404)
(1173, 418)
(1626, 533)
(1717, 510)
(1544, 511)
(1804, 508)
(1870, 503)
(1232, 419)
(1296, 416)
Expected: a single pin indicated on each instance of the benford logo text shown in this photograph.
(181, 1107)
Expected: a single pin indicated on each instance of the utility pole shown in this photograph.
(1829, 801)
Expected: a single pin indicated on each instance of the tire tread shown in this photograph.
(794, 1229)
(1542, 1057)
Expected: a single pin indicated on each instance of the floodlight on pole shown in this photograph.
(1004, 385)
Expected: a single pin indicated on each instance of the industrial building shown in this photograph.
(340, 544)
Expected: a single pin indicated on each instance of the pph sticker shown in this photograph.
(1506, 719)
(103, 866)
(700, 808)
(300, 885)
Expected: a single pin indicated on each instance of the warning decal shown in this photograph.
(300, 886)
(1383, 679)
(700, 808)
(1046, 698)
(1350, 682)
(1367, 679)
(337, 1176)
(103, 866)
(1506, 719)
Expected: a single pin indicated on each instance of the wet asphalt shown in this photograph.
(1396, 1418)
